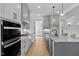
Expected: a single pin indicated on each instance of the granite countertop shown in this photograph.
(64, 39)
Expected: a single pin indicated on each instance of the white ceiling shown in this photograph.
(46, 8)
(70, 10)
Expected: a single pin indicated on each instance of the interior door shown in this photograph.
(39, 28)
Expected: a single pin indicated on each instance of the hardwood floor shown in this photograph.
(38, 48)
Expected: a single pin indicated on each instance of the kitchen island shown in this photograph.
(63, 46)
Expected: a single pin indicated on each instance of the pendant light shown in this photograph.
(53, 14)
(62, 10)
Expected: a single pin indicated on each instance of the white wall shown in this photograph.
(39, 28)
(71, 30)
(71, 17)
(7, 10)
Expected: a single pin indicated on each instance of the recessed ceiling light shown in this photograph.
(38, 6)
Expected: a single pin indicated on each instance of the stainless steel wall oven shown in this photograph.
(10, 38)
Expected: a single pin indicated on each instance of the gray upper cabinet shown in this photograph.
(55, 21)
(46, 24)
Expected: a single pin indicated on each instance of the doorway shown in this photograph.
(38, 28)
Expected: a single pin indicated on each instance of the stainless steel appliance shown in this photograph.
(10, 38)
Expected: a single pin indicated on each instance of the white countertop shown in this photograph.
(64, 39)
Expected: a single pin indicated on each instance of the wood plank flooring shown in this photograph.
(38, 48)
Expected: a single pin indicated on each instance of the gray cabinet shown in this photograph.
(25, 45)
(51, 43)
(10, 11)
(63, 48)
(46, 21)
(66, 48)
(46, 38)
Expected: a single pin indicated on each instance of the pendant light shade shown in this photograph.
(61, 14)
(62, 10)
(53, 14)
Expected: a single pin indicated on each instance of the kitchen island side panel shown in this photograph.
(66, 48)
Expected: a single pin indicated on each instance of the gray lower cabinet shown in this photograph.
(51, 47)
(66, 48)
(46, 38)
(47, 42)
(25, 45)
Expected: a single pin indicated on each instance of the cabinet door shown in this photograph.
(25, 44)
(11, 11)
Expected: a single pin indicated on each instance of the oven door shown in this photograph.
(12, 49)
(9, 34)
